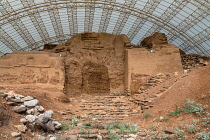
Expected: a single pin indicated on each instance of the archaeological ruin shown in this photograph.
(91, 63)
(104, 70)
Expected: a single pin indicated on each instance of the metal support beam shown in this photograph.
(149, 8)
(72, 17)
(106, 15)
(89, 15)
(123, 17)
(8, 41)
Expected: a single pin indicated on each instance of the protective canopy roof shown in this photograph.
(29, 24)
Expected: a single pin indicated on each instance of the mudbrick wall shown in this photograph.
(31, 69)
(91, 63)
(143, 63)
(95, 63)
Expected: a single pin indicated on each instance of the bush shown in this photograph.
(206, 122)
(125, 128)
(174, 113)
(113, 136)
(203, 135)
(65, 126)
(192, 107)
(147, 115)
(192, 128)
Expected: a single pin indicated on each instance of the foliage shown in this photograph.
(203, 135)
(113, 136)
(203, 96)
(192, 128)
(74, 121)
(65, 126)
(147, 115)
(180, 133)
(206, 122)
(152, 128)
(191, 107)
(164, 119)
(174, 113)
(125, 128)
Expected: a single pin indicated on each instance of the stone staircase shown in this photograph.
(155, 87)
(106, 108)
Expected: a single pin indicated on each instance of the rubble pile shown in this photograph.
(191, 60)
(34, 116)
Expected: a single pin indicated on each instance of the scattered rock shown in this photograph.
(16, 100)
(11, 103)
(30, 111)
(142, 134)
(52, 138)
(43, 119)
(133, 136)
(130, 139)
(57, 125)
(48, 113)
(23, 120)
(168, 132)
(30, 118)
(19, 109)
(99, 137)
(31, 103)
(41, 137)
(18, 138)
(39, 108)
(28, 98)
(16, 134)
(50, 126)
(21, 128)
(62, 113)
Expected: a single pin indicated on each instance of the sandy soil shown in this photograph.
(195, 84)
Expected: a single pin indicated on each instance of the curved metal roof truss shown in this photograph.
(29, 24)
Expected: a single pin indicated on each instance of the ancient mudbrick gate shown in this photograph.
(95, 63)
(90, 63)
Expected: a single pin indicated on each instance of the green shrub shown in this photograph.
(74, 121)
(113, 136)
(165, 119)
(147, 115)
(65, 126)
(179, 132)
(191, 107)
(192, 128)
(203, 96)
(152, 128)
(206, 122)
(125, 128)
(203, 135)
(174, 113)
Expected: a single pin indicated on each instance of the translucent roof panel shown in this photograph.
(29, 24)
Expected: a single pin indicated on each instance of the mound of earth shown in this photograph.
(194, 85)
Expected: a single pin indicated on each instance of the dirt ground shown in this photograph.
(195, 84)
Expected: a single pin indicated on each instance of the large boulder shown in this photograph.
(20, 109)
(31, 103)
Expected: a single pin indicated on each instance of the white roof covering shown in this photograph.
(29, 24)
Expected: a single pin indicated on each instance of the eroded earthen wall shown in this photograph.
(142, 63)
(32, 69)
(95, 63)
